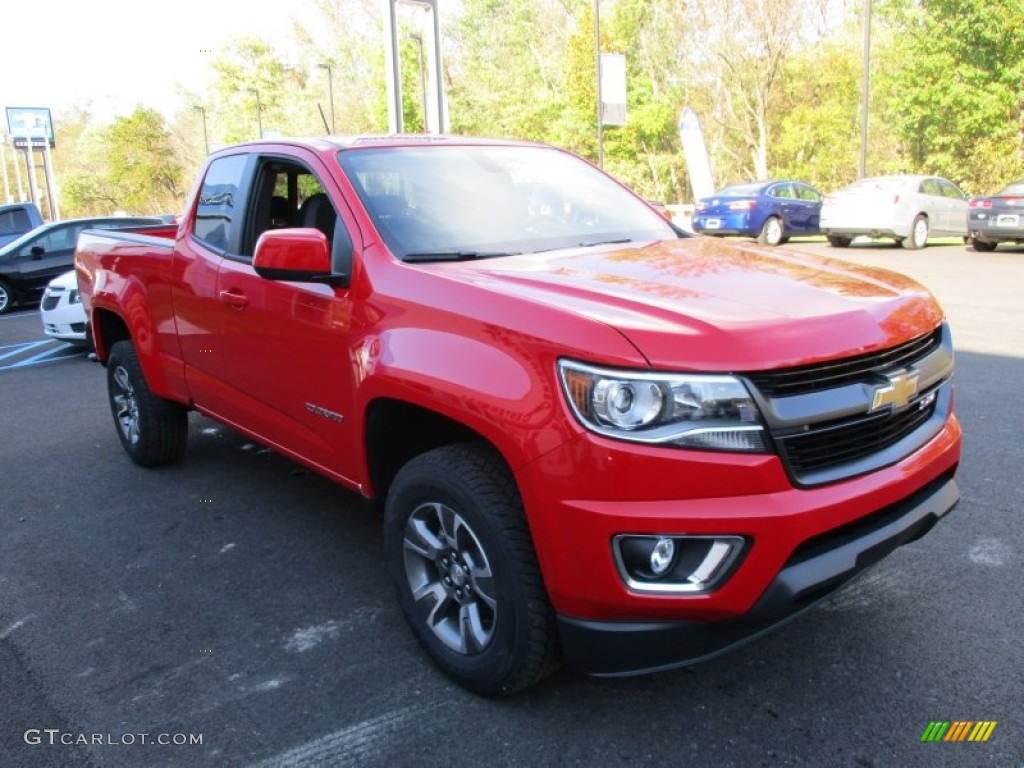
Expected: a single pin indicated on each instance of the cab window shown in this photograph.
(287, 194)
(219, 201)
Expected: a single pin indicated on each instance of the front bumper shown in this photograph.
(61, 319)
(815, 569)
(987, 229)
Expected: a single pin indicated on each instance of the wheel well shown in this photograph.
(110, 330)
(397, 431)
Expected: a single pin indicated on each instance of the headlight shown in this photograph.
(74, 297)
(709, 412)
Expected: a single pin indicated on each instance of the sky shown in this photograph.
(114, 55)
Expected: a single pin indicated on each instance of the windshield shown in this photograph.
(1016, 188)
(482, 201)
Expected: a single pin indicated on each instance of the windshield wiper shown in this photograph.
(605, 242)
(454, 255)
(585, 244)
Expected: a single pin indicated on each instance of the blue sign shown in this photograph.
(30, 124)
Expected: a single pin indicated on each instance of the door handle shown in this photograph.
(234, 299)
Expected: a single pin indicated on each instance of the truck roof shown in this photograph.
(353, 141)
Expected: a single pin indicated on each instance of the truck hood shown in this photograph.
(708, 304)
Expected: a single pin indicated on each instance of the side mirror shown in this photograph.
(37, 252)
(300, 255)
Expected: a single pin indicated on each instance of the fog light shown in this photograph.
(676, 563)
(661, 556)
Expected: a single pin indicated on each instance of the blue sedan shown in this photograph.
(771, 211)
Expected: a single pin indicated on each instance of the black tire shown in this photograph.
(772, 232)
(6, 298)
(918, 237)
(152, 430)
(984, 246)
(838, 242)
(455, 534)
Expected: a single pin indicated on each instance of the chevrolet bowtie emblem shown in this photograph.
(901, 387)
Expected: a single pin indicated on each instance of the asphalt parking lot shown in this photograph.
(239, 598)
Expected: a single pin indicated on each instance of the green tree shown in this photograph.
(142, 170)
(505, 70)
(954, 88)
(255, 88)
(347, 35)
(816, 116)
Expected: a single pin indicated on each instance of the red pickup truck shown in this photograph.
(592, 437)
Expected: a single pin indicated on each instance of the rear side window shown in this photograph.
(950, 190)
(219, 201)
(806, 193)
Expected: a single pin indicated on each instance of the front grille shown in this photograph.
(813, 378)
(829, 445)
(50, 302)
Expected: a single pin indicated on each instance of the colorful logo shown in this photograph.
(958, 730)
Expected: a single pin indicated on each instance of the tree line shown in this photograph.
(776, 83)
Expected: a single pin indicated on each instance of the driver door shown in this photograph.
(283, 349)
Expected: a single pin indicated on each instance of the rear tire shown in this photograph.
(772, 231)
(152, 430)
(918, 237)
(6, 298)
(462, 563)
(983, 246)
(838, 242)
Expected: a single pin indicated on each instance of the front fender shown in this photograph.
(511, 400)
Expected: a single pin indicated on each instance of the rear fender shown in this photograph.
(121, 310)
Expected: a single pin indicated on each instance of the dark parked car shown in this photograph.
(997, 219)
(771, 211)
(16, 219)
(28, 263)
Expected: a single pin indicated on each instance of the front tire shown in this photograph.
(6, 298)
(918, 234)
(772, 231)
(983, 246)
(461, 560)
(152, 430)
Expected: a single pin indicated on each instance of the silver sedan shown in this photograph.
(909, 209)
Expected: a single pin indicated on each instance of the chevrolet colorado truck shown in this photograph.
(592, 438)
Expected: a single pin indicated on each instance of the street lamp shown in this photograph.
(330, 90)
(597, 57)
(206, 137)
(259, 110)
(865, 91)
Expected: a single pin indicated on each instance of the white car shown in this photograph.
(62, 311)
(909, 209)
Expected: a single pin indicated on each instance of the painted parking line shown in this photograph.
(37, 353)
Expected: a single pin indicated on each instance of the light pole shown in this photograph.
(597, 60)
(865, 91)
(259, 110)
(206, 137)
(330, 89)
